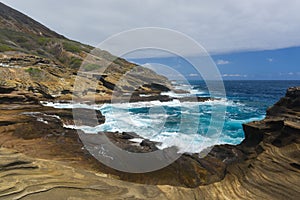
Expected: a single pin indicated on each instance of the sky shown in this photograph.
(280, 64)
(244, 37)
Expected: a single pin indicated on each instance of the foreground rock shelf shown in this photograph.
(40, 159)
(27, 178)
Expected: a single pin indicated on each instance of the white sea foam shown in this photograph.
(136, 140)
(42, 120)
(69, 105)
(194, 143)
(39, 116)
(175, 95)
(145, 95)
(190, 92)
(126, 117)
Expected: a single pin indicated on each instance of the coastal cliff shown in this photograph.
(37, 61)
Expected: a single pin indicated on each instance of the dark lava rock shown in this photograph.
(156, 86)
(293, 92)
(149, 144)
(87, 117)
(6, 90)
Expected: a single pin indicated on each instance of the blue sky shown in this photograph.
(281, 64)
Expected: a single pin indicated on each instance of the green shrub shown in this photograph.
(43, 41)
(75, 62)
(63, 59)
(4, 47)
(34, 72)
(72, 47)
(91, 67)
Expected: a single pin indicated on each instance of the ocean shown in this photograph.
(186, 124)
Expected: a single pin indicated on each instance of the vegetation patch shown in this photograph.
(72, 47)
(48, 47)
(75, 62)
(4, 47)
(43, 41)
(34, 72)
(91, 67)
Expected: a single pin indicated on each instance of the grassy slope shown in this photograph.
(67, 52)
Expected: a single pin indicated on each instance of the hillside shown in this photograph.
(37, 59)
(19, 33)
(16, 21)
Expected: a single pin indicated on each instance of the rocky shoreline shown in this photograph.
(266, 159)
(42, 159)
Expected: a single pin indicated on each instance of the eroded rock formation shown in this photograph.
(41, 159)
(264, 166)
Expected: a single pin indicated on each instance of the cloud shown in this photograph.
(193, 75)
(234, 75)
(289, 73)
(270, 59)
(220, 26)
(222, 62)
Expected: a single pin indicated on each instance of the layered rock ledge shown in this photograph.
(266, 165)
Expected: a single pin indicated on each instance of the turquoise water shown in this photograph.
(186, 124)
